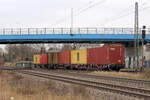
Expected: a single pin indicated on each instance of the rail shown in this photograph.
(128, 91)
(129, 80)
(28, 31)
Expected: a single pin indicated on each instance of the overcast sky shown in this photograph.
(87, 13)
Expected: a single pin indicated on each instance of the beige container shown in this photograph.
(52, 58)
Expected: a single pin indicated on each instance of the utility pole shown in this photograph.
(136, 36)
(71, 28)
(43, 48)
(71, 17)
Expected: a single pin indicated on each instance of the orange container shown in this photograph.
(64, 57)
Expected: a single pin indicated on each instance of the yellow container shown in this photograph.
(52, 58)
(79, 56)
(36, 59)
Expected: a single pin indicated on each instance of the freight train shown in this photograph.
(107, 57)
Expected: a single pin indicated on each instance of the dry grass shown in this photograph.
(12, 85)
(140, 75)
(10, 64)
(146, 73)
(16, 77)
(80, 91)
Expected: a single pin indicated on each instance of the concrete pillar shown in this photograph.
(129, 51)
(147, 55)
(130, 57)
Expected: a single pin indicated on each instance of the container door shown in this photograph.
(115, 54)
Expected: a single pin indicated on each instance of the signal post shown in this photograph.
(143, 42)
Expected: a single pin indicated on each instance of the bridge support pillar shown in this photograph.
(129, 56)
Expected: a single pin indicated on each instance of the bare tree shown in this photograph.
(66, 47)
(22, 51)
(1, 56)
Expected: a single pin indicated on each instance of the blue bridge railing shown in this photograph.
(23, 31)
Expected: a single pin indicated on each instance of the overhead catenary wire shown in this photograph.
(127, 13)
(80, 10)
(85, 6)
(90, 6)
(123, 13)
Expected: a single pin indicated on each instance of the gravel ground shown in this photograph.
(64, 88)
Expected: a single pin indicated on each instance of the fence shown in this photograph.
(27, 31)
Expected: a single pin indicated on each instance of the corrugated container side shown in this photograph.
(79, 56)
(64, 57)
(116, 54)
(98, 55)
(36, 59)
(50, 58)
(55, 58)
(44, 59)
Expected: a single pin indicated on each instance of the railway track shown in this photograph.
(123, 90)
(117, 79)
(110, 78)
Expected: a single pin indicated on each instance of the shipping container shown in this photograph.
(98, 55)
(52, 58)
(64, 57)
(36, 59)
(116, 53)
(44, 59)
(113, 54)
(79, 56)
(55, 58)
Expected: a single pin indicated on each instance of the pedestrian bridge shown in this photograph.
(69, 35)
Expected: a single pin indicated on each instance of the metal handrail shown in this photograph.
(24, 31)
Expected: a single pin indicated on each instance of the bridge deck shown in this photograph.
(37, 35)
